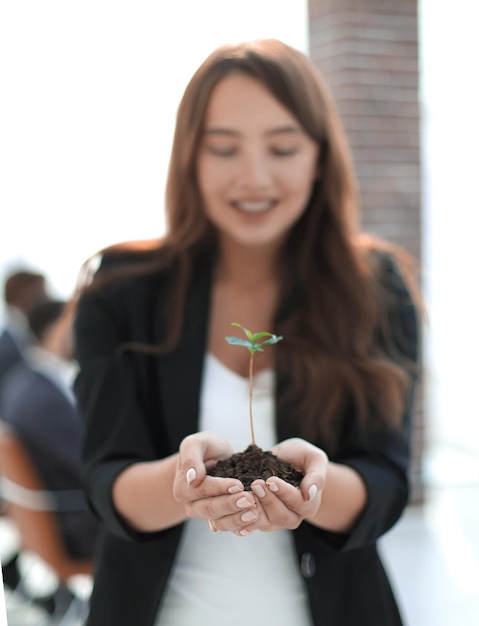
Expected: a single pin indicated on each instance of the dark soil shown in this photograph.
(255, 463)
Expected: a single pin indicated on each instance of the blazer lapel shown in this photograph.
(180, 371)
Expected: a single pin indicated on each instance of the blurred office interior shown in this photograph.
(86, 129)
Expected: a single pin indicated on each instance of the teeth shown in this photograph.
(254, 207)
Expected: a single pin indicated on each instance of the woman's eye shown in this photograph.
(222, 151)
(290, 151)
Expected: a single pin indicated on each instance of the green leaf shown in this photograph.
(247, 332)
(257, 336)
(252, 343)
(274, 339)
(236, 341)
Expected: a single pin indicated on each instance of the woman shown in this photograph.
(262, 231)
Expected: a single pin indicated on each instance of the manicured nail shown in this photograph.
(244, 532)
(273, 486)
(190, 475)
(234, 489)
(248, 516)
(242, 503)
(312, 491)
(259, 491)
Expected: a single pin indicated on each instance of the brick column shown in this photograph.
(368, 52)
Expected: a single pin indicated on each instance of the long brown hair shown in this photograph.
(333, 305)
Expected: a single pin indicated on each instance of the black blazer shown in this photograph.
(139, 407)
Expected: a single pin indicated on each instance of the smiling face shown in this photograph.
(256, 165)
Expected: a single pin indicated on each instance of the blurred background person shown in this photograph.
(23, 290)
(36, 400)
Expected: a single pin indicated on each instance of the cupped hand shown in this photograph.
(221, 501)
(281, 505)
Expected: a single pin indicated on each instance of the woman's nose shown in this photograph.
(254, 171)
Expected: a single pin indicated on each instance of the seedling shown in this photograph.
(254, 342)
(254, 462)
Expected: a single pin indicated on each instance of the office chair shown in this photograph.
(33, 510)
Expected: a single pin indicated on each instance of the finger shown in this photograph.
(212, 526)
(214, 486)
(288, 494)
(274, 513)
(302, 454)
(239, 522)
(230, 516)
(283, 504)
(210, 487)
(199, 450)
(312, 461)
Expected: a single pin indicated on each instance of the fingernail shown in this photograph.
(273, 486)
(248, 516)
(242, 503)
(259, 491)
(234, 489)
(244, 532)
(312, 491)
(190, 475)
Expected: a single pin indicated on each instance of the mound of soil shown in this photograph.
(255, 463)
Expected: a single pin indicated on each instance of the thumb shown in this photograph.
(199, 451)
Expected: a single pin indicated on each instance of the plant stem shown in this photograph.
(251, 358)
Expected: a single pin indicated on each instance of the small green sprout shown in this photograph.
(255, 342)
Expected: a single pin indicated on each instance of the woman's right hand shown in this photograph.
(220, 501)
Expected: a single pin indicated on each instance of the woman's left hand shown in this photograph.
(280, 505)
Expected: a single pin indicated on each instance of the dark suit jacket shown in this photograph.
(139, 407)
(50, 427)
(10, 352)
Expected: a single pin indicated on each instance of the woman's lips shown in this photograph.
(254, 206)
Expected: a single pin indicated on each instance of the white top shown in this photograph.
(219, 578)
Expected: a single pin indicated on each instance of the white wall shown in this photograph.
(450, 54)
